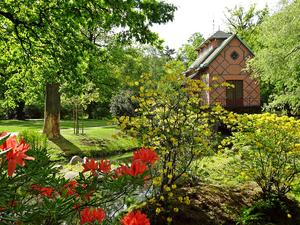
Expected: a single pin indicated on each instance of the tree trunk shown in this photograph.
(90, 109)
(20, 114)
(52, 111)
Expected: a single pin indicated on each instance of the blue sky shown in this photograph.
(198, 16)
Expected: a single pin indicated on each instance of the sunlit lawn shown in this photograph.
(100, 139)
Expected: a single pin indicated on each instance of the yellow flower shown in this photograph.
(169, 219)
(157, 181)
(174, 186)
(157, 211)
(180, 199)
(170, 194)
(187, 200)
(289, 216)
(176, 210)
(167, 188)
(162, 198)
(152, 200)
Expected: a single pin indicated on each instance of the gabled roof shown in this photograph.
(205, 59)
(219, 35)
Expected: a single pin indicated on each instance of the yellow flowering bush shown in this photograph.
(267, 150)
(173, 118)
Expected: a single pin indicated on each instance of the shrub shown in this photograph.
(122, 104)
(173, 118)
(267, 150)
(33, 192)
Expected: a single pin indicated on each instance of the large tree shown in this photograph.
(277, 62)
(244, 22)
(56, 41)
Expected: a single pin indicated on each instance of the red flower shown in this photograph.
(121, 171)
(135, 218)
(45, 191)
(136, 168)
(91, 215)
(16, 155)
(11, 142)
(71, 187)
(146, 155)
(104, 166)
(90, 165)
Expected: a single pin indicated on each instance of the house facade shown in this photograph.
(222, 58)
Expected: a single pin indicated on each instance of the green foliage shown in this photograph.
(266, 149)
(38, 194)
(69, 42)
(277, 60)
(122, 104)
(35, 139)
(269, 211)
(245, 23)
(173, 119)
(187, 53)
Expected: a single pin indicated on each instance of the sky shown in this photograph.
(198, 16)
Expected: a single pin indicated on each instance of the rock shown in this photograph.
(71, 175)
(85, 159)
(75, 159)
(57, 166)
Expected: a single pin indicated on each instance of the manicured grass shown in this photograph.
(100, 139)
(37, 125)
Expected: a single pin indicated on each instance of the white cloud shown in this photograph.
(198, 16)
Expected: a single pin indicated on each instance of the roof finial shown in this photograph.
(213, 25)
(219, 28)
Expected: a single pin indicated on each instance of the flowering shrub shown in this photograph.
(267, 150)
(174, 119)
(35, 193)
(135, 218)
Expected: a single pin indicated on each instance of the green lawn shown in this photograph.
(37, 125)
(100, 139)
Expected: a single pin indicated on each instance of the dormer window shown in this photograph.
(234, 55)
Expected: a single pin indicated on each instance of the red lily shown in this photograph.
(16, 155)
(146, 155)
(71, 187)
(135, 218)
(104, 166)
(90, 165)
(45, 191)
(91, 215)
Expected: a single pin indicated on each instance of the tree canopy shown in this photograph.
(244, 22)
(277, 61)
(187, 53)
(52, 42)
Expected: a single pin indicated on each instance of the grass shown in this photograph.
(37, 124)
(100, 139)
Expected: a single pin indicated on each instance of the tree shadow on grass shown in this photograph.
(67, 147)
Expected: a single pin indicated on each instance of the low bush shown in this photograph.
(33, 192)
(267, 149)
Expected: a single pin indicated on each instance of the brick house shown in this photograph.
(224, 56)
